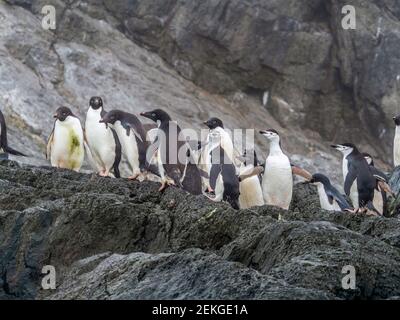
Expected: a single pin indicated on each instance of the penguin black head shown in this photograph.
(397, 120)
(318, 177)
(96, 103)
(345, 148)
(369, 159)
(63, 113)
(111, 117)
(213, 123)
(156, 115)
(270, 133)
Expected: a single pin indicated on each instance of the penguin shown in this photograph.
(65, 147)
(216, 127)
(396, 144)
(132, 136)
(223, 178)
(251, 194)
(359, 182)
(103, 144)
(329, 197)
(277, 183)
(5, 149)
(382, 188)
(175, 164)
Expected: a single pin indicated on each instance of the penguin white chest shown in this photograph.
(378, 201)
(250, 193)
(278, 181)
(354, 188)
(100, 140)
(67, 149)
(396, 147)
(324, 200)
(129, 146)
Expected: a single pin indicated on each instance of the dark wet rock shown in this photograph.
(190, 274)
(116, 239)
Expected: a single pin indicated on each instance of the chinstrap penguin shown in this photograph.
(330, 198)
(359, 182)
(175, 163)
(277, 183)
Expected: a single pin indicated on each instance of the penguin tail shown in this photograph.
(10, 150)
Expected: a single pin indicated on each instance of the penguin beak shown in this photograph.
(101, 121)
(334, 146)
(263, 132)
(55, 116)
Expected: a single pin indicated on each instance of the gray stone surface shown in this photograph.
(116, 239)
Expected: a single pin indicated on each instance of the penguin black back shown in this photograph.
(227, 170)
(3, 139)
(359, 169)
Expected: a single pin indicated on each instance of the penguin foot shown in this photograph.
(164, 185)
(104, 173)
(134, 177)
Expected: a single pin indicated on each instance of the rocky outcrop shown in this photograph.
(317, 75)
(116, 239)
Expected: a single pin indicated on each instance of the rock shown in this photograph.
(191, 274)
(211, 58)
(117, 239)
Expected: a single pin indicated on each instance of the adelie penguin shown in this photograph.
(132, 136)
(329, 197)
(251, 194)
(359, 182)
(173, 157)
(277, 183)
(103, 146)
(216, 127)
(396, 144)
(5, 149)
(65, 147)
(223, 178)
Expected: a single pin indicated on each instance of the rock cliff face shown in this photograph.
(284, 64)
(115, 239)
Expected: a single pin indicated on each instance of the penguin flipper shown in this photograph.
(384, 187)
(90, 158)
(379, 175)
(255, 172)
(133, 125)
(214, 173)
(350, 178)
(49, 145)
(10, 150)
(334, 195)
(301, 172)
